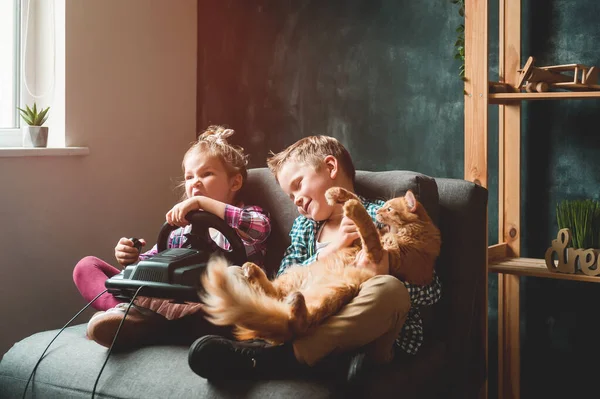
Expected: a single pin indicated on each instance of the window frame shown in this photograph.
(11, 137)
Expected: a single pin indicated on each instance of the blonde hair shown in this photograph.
(213, 141)
(312, 150)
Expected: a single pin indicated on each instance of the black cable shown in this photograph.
(115, 339)
(53, 339)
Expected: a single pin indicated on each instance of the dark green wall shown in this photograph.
(560, 153)
(560, 147)
(378, 75)
(381, 77)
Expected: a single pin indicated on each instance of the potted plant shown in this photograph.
(34, 134)
(582, 218)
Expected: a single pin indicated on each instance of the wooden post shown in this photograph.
(476, 117)
(509, 184)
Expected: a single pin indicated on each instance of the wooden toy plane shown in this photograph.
(542, 79)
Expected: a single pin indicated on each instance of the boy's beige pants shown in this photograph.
(374, 318)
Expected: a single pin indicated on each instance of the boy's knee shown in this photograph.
(389, 290)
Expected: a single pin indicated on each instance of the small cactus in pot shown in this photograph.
(34, 134)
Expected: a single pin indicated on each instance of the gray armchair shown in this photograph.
(450, 364)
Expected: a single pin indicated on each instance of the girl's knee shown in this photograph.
(89, 261)
(84, 265)
(92, 267)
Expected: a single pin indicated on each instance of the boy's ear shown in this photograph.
(331, 163)
(237, 182)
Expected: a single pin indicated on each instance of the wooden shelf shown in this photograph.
(532, 267)
(501, 98)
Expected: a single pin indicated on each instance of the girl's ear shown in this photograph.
(331, 163)
(411, 201)
(236, 182)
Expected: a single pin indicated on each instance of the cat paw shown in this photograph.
(251, 271)
(338, 195)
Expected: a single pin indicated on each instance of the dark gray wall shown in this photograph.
(380, 76)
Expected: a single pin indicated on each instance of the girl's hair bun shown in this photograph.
(216, 134)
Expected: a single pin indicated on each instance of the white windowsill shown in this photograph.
(43, 152)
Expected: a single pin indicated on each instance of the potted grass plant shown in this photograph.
(582, 218)
(34, 134)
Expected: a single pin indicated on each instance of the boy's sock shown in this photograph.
(141, 327)
(217, 358)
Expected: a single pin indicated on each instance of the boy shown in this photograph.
(305, 170)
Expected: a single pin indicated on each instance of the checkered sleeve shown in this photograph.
(150, 253)
(176, 240)
(425, 295)
(372, 207)
(252, 223)
(300, 251)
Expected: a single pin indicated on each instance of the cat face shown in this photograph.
(398, 211)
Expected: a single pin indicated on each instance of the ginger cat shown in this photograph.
(302, 297)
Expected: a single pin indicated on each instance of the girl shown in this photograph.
(214, 173)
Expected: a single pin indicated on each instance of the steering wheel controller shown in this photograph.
(174, 273)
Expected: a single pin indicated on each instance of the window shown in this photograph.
(9, 66)
(32, 54)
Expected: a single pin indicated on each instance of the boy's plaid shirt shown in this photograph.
(251, 223)
(302, 251)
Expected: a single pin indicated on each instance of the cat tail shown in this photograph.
(229, 300)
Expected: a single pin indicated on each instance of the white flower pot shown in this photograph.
(35, 136)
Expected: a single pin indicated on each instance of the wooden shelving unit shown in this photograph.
(502, 98)
(504, 257)
(532, 267)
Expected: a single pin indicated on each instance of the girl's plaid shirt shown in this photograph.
(302, 251)
(251, 223)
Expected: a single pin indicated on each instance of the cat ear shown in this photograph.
(411, 201)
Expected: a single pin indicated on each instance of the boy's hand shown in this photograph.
(347, 233)
(383, 267)
(126, 253)
(176, 216)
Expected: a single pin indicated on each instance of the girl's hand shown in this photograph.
(383, 267)
(126, 253)
(176, 216)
